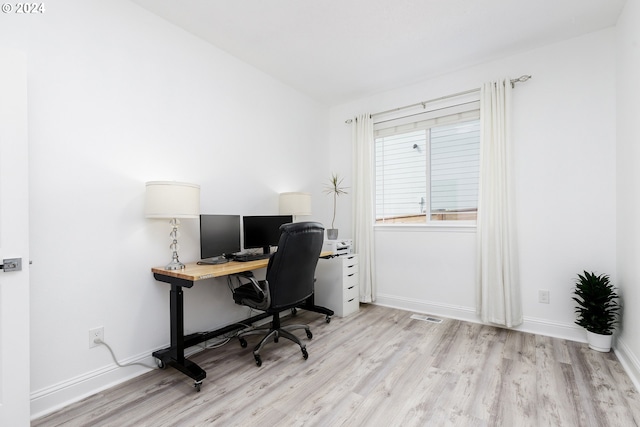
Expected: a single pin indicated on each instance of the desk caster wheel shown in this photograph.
(197, 385)
(258, 360)
(243, 343)
(327, 319)
(305, 355)
(160, 364)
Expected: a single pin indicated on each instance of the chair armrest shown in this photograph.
(261, 288)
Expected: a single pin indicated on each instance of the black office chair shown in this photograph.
(289, 282)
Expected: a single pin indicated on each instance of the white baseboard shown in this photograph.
(629, 361)
(531, 325)
(57, 396)
(565, 331)
(425, 307)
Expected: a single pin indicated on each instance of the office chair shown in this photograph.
(289, 281)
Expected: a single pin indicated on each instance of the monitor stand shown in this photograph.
(214, 261)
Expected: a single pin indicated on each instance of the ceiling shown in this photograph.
(340, 50)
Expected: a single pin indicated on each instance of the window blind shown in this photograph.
(428, 163)
(455, 166)
(401, 174)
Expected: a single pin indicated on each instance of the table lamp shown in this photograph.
(295, 203)
(172, 200)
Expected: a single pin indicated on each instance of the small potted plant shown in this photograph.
(597, 309)
(336, 189)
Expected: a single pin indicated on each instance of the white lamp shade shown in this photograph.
(295, 204)
(170, 199)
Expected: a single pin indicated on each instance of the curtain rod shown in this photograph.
(520, 79)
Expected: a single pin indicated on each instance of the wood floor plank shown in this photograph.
(516, 404)
(624, 385)
(378, 367)
(433, 390)
(479, 361)
(554, 378)
(391, 384)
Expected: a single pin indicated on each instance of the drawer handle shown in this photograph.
(351, 299)
(351, 287)
(350, 266)
(351, 275)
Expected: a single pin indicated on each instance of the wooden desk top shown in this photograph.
(194, 272)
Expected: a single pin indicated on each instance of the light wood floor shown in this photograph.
(379, 367)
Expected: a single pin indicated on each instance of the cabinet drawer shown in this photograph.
(350, 269)
(350, 261)
(350, 280)
(352, 292)
(350, 306)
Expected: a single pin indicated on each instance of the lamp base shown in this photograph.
(175, 265)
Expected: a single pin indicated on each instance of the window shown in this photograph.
(427, 166)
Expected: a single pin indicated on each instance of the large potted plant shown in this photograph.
(597, 309)
(334, 188)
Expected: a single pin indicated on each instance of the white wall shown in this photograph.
(628, 188)
(118, 97)
(564, 137)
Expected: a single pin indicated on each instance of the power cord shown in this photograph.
(218, 344)
(226, 338)
(99, 341)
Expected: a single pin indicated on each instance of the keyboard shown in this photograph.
(250, 257)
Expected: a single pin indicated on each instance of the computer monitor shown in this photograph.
(219, 238)
(263, 231)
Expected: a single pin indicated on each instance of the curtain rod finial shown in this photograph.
(521, 79)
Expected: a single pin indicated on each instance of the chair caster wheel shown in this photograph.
(197, 385)
(309, 334)
(243, 343)
(305, 355)
(328, 319)
(294, 311)
(258, 360)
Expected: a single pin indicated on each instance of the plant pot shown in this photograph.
(599, 342)
(332, 233)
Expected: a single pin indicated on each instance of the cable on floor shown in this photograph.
(99, 341)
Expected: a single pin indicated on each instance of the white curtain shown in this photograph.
(363, 202)
(498, 287)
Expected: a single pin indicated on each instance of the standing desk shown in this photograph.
(186, 278)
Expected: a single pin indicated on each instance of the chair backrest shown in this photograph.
(291, 270)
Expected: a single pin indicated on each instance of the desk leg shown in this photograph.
(176, 308)
(174, 355)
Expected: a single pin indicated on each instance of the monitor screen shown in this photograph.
(219, 237)
(263, 231)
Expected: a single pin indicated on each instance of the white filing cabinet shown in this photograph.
(337, 286)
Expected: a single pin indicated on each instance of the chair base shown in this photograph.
(275, 331)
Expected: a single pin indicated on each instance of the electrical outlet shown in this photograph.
(543, 296)
(95, 333)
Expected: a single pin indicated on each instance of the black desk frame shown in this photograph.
(174, 355)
